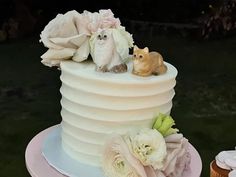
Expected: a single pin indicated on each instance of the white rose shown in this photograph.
(119, 162)
(63, 39)
(148, 145)
(62, 26)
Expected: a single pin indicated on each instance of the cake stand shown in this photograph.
(39, 167)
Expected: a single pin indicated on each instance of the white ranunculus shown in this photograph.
(117, 161)
(149, 146)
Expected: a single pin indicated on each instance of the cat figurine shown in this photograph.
(106, 57)
(146, 64)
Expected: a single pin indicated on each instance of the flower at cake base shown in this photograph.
(178, 158)
(119, 162)
(63, 39)
(149, 146)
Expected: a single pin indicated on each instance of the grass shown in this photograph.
(204, 105)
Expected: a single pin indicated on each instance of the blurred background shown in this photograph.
(197, 36)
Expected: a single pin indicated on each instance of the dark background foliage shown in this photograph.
(207, 18)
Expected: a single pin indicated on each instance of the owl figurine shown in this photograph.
(105, 55)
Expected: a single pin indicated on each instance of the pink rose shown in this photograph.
(178, 158)
(108, 20)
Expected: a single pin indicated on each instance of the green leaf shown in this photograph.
(164, 124)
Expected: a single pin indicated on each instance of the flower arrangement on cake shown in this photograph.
(156, 152)
(75, 36)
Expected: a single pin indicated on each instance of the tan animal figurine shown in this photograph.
(146, 64)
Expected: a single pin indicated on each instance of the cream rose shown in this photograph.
(119, 162)
(149, 146)
(63, 39)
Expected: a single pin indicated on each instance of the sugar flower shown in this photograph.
(63, 39)
(108, 20)
(67, 36)
(147, 145)
(119, 162)
(178, 157)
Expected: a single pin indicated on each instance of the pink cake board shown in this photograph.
(38, 166)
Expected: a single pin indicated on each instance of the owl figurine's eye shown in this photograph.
(99, 36)
(105, 36)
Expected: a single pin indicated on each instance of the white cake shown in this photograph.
(95, 105)
(115, 117)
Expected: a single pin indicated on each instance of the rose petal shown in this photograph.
(150, 172)
(79, 39)
(61, 26)
(82, 53)
(53, 57)
(174, 138)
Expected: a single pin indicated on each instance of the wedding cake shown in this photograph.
(115, 106)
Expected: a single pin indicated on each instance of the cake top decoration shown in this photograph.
(74, 36)
(147, 63)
